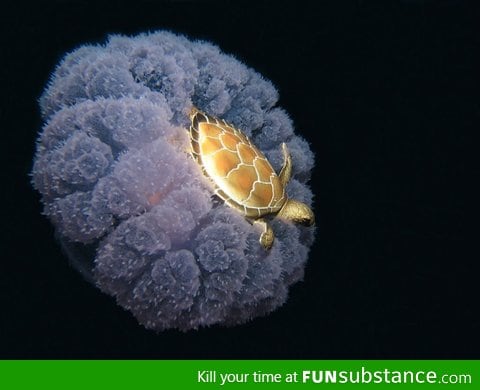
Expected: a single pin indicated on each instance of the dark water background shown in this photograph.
(387, 95)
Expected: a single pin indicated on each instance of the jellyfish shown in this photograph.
(131, 207)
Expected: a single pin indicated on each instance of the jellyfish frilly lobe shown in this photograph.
(129, 205)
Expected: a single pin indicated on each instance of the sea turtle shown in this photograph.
(242, 176)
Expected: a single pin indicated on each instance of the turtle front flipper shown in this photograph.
(286, 171)
(266, 237)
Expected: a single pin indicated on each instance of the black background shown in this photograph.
(386, 93)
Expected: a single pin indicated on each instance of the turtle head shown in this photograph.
(297, 212)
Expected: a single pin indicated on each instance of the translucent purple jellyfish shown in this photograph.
(132, 209)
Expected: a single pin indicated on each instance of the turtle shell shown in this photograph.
(242, 175)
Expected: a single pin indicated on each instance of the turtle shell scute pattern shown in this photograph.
(240, 172)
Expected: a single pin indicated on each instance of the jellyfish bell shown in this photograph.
(133, 211)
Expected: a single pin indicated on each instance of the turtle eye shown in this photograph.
(310, 221)
(308, 218)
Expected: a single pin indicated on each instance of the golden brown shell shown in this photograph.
(242, 175)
